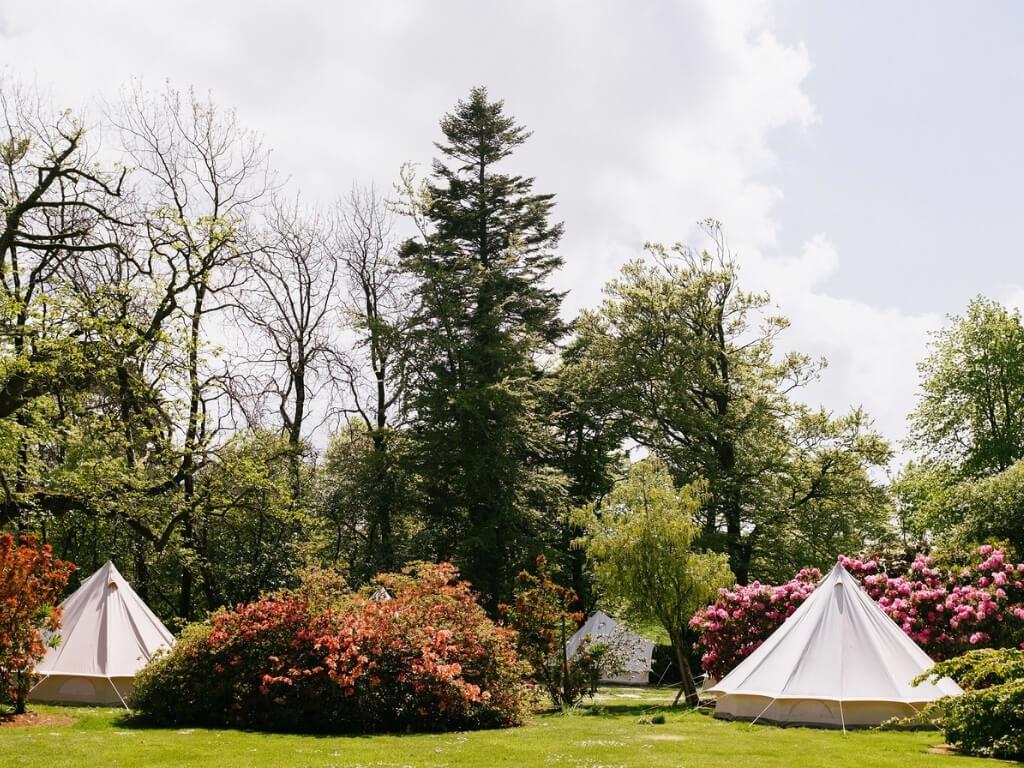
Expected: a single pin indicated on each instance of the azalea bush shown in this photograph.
(542, 616)
(988, 719)
(427, 659)
(946, 610)
(32, 582)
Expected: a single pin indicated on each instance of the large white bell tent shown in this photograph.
(634, 651)
(838, 661)
(107, 635)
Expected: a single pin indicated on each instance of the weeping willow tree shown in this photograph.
(640, 542)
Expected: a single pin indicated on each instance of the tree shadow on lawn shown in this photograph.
(631, 709)
(635, 709)
(134, 721)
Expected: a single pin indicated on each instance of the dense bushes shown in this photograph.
(989, 718)
(427, 659)
(947, 611)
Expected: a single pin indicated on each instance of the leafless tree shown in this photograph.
(370, 491)
(200, 177)
(377, 311)
(289, 297)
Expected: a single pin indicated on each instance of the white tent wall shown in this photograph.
(635, 650)
(839, 660)
(76, 689)
(107, 635)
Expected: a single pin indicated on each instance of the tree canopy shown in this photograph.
(640, 539)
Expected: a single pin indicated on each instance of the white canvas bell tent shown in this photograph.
(107, 635)
(636, 652)
(838, 661)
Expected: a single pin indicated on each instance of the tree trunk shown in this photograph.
(688, 685)
(20, 695)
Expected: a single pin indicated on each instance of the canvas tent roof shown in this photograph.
(838, 655)
(635, 650)
(106, 630)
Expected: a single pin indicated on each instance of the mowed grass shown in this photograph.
(607, 734)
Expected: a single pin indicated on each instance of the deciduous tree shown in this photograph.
(640, 539)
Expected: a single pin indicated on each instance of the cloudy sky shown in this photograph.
(864, 157)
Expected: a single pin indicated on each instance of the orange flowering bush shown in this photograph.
(32, 582)
(427, 659)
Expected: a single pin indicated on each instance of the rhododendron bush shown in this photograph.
(32, 582)
(427, 659)
(946, 611)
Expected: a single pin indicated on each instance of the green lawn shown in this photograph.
(607, 734)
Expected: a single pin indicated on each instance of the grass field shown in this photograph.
(607, 734)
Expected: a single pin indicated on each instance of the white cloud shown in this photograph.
(647, 118)
(873, 351)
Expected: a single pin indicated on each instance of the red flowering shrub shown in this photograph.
(541, 615)
(945, 611)
(427, 659)
(32, 582)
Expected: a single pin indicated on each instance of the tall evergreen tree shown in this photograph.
(485, 317)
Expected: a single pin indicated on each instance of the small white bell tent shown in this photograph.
(107, 635)
(838, 661)
(635, 651)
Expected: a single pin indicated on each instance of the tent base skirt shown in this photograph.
(74, 689)
(814, 713)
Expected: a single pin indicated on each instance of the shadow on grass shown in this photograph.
(634, 709)
(629, 709)
(136, 721)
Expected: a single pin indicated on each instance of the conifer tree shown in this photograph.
(486, 317)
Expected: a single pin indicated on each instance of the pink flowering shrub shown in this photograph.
(945, 611)
(742, 617)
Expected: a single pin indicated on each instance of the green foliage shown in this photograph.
(640, 539)
(971, 412)
(988, 719)
(171, 681)
(542, 615)
(989, 722)
(959, 512)
(824, 501)
(691, 361)
(367, 500)
(981, 668)
(484, 316)
(254, 531)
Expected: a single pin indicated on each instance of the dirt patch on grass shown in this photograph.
(944, 749)
(663, 737)
(34, 720)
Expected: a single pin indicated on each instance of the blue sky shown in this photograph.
(916, 167)
(864, 157)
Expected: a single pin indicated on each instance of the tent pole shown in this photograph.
(919, 712)
(842, 717)
(761, 713)
(123, 704)
(45, 678)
